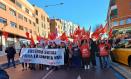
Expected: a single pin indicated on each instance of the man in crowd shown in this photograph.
(11, 54)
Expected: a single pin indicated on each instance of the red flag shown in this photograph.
(97, 32)
(110, 33)
(104, 30)
(64, 37)
(32, 40)
(5, 35)
(77, 31)
(27, 35)
(38, 38)
(52, 36)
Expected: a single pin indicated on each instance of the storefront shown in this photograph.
(14, 40)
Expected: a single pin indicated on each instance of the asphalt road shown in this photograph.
(108, 73)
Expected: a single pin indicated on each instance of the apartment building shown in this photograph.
(56, 25)
(119, 17)
(17, 17)
(42, 22)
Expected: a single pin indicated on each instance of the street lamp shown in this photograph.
(55, 4)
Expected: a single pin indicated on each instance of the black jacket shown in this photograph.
(10, 52)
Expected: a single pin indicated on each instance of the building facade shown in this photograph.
(119, 16)
(56, 26)
(68, 27)
(18, 17)
(42, 22)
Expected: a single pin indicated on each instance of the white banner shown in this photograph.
(42, 56)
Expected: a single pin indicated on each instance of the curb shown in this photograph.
(121, 70)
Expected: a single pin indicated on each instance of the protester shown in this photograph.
(85, 51)
(76, 56)
(93, 52)
(10, 55)
(69, 45)
(32, 65)
(98, 52)
(52, 45)
(103, 52)
(24, 65)
(38, 45)
(66, 54)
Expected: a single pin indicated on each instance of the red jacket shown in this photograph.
(103, 51)
(85, 51)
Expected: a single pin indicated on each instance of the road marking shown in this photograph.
(79, 77)
(44, 77)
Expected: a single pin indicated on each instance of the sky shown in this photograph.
(85, 13)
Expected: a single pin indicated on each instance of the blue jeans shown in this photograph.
(106, 61)
(11, 59)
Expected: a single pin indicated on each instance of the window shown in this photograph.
(37, 21)
(25, 19)
(42, 18)
(30, 21)
(12, 12)
(30, 31)
(2, 6)
(20, 16)
(33, 23)
(21, 27)
(13, 24)
(48, 20)
(26, 10)
(122, 22)
(128, 21)
(114, 13)
(115, 23)
(18, 4)
(3, 21)
(12, 1)
(33, 15)
(42, 25)
(36, 12)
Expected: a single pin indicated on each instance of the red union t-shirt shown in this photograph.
(103, 51)
(85, 51)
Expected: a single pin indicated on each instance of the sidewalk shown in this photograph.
(3, 60)
(122, 69)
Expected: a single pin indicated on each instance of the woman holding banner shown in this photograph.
(66, 54)
(24, 65)
(52, 45)
(32, 65)
(85, 51)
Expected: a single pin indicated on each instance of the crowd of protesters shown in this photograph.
(81, 54)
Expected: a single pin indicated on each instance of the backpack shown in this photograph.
(76, 51)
